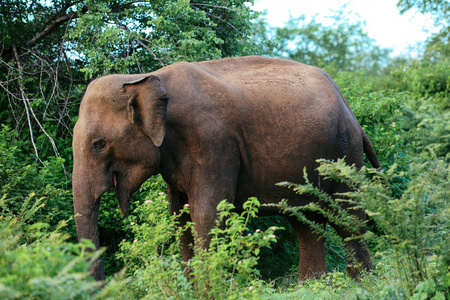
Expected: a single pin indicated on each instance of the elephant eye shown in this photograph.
(99, 145)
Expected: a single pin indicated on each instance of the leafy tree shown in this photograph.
(344, 46)
(429, 75)
(49, 49)
(426, 79)
(224, 271)
(440, 9)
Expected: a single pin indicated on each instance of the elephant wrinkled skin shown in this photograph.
(222, 129)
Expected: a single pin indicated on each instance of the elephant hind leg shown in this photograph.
(356, 250)
(312, 262)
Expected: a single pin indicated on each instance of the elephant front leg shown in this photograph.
(203, 213)
(177, 200)
(203, 210)
(209, 184)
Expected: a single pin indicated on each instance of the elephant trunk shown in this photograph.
(86, 206)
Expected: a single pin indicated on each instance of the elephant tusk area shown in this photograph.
(115, 181)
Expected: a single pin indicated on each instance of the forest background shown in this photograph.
(49, 52)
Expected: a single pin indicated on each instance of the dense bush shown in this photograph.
(21, 175)
(37, 263)
(380, 115)
(225, 270)
(413, 228)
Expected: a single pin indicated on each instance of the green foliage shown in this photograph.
(343, 46)
(225, 270)
(385, 118)
(424, 120)
(380, 115)
(21, 175)
(281, 259)
(430, 126)
(142, 37)
(113, 228)
(334, 286)
(37, 263)
(425, 78)
(440, 9)
(413, 228)
(429, 290)
(44, 69)
(262, 34)
(152, 254)
(228, 267)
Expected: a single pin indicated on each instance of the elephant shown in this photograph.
(229, 128)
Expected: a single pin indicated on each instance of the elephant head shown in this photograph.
(115, 145)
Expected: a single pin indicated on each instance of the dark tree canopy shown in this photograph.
(50, 49)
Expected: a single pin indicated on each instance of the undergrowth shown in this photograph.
(411, 246)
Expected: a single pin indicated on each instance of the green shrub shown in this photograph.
(430, 125)
(37, 263)
(21, 175)
(380, 115)
(226, 270)
(423, 78)
(281, 259)
(412, 228)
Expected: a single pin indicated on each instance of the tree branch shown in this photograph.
(29, 109)
(50, 28)
(26, 104)
(226, 22)
(58, 13)
(216, 6)
(125, 28)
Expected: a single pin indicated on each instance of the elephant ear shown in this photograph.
(147, 106)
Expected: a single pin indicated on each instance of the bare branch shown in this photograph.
(231, 25)
(26, 104)
(154, 55)
(29, 109)
(228, 23)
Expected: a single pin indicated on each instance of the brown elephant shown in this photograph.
(221, 129)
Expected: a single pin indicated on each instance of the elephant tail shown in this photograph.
(370, 151)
